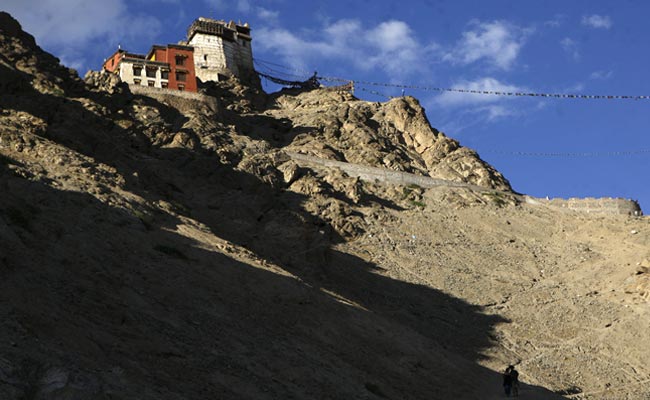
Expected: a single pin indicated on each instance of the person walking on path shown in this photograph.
(507, 381)
(514, 377)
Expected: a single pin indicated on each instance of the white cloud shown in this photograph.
(496, 42)
(390, 46)
(394, 47)
(470, 109)
(150, 2)
(556, 22)
(216, 5)
(570, 47)
(601, 75)
(75, 63)
(494, 112)
(576, 87)
(267, 15)
(454, 99)
(72, 24)
(243, 6)
(597, 21)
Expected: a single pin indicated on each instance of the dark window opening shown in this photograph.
(181, 76)
(151, 83)
(137, 71)
(164, 74)
(137, 81)
(181, 87)
(164, 85)
(151, 72)
(180, 60)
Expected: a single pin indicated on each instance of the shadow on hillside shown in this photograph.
(144, 306)
(127, 310)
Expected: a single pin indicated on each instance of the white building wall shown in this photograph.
(127, 75)
(126, 72)
(209, 56)
(214, 56)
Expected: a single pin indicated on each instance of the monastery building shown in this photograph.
(212, 51)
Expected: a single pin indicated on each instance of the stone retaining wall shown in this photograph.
(605, 205)
(380, 175)
(181, 100)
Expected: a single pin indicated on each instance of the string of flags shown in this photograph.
(310, 83)
(568, 154)
(376, 93)
(268, 64)
(490, 92)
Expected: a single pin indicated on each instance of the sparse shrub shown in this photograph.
(418, 204)
(406, 192)
(496, 198)
(374, 389)
(571, 390)
(170, 251)
(58, 92)
(145, 218)
(21, 217)
(411, 189)
(18, 217)
(182, 208)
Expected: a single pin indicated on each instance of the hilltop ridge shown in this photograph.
(163, 246)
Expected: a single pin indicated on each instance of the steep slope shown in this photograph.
(166, 248)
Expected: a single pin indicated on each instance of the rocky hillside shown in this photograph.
(161, 247)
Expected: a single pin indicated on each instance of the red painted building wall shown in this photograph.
(181, 63)
(180, 60)
(113, 63)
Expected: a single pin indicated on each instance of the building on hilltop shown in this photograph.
(213, 50)
(166, 67)
(220, 49)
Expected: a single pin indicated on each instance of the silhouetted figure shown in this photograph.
(514, 376)
(507, 381)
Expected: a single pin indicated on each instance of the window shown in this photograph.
(164, 85)
(180, 60)
(151, 72)
(181, 87)
(181, 76)
(205, 57)
(137, 81)
(151, 83)
(137, 70)
(164, 74)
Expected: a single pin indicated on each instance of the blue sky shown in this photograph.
(578, 46)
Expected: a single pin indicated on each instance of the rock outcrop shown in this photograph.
(23, 64)
(395, 135)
